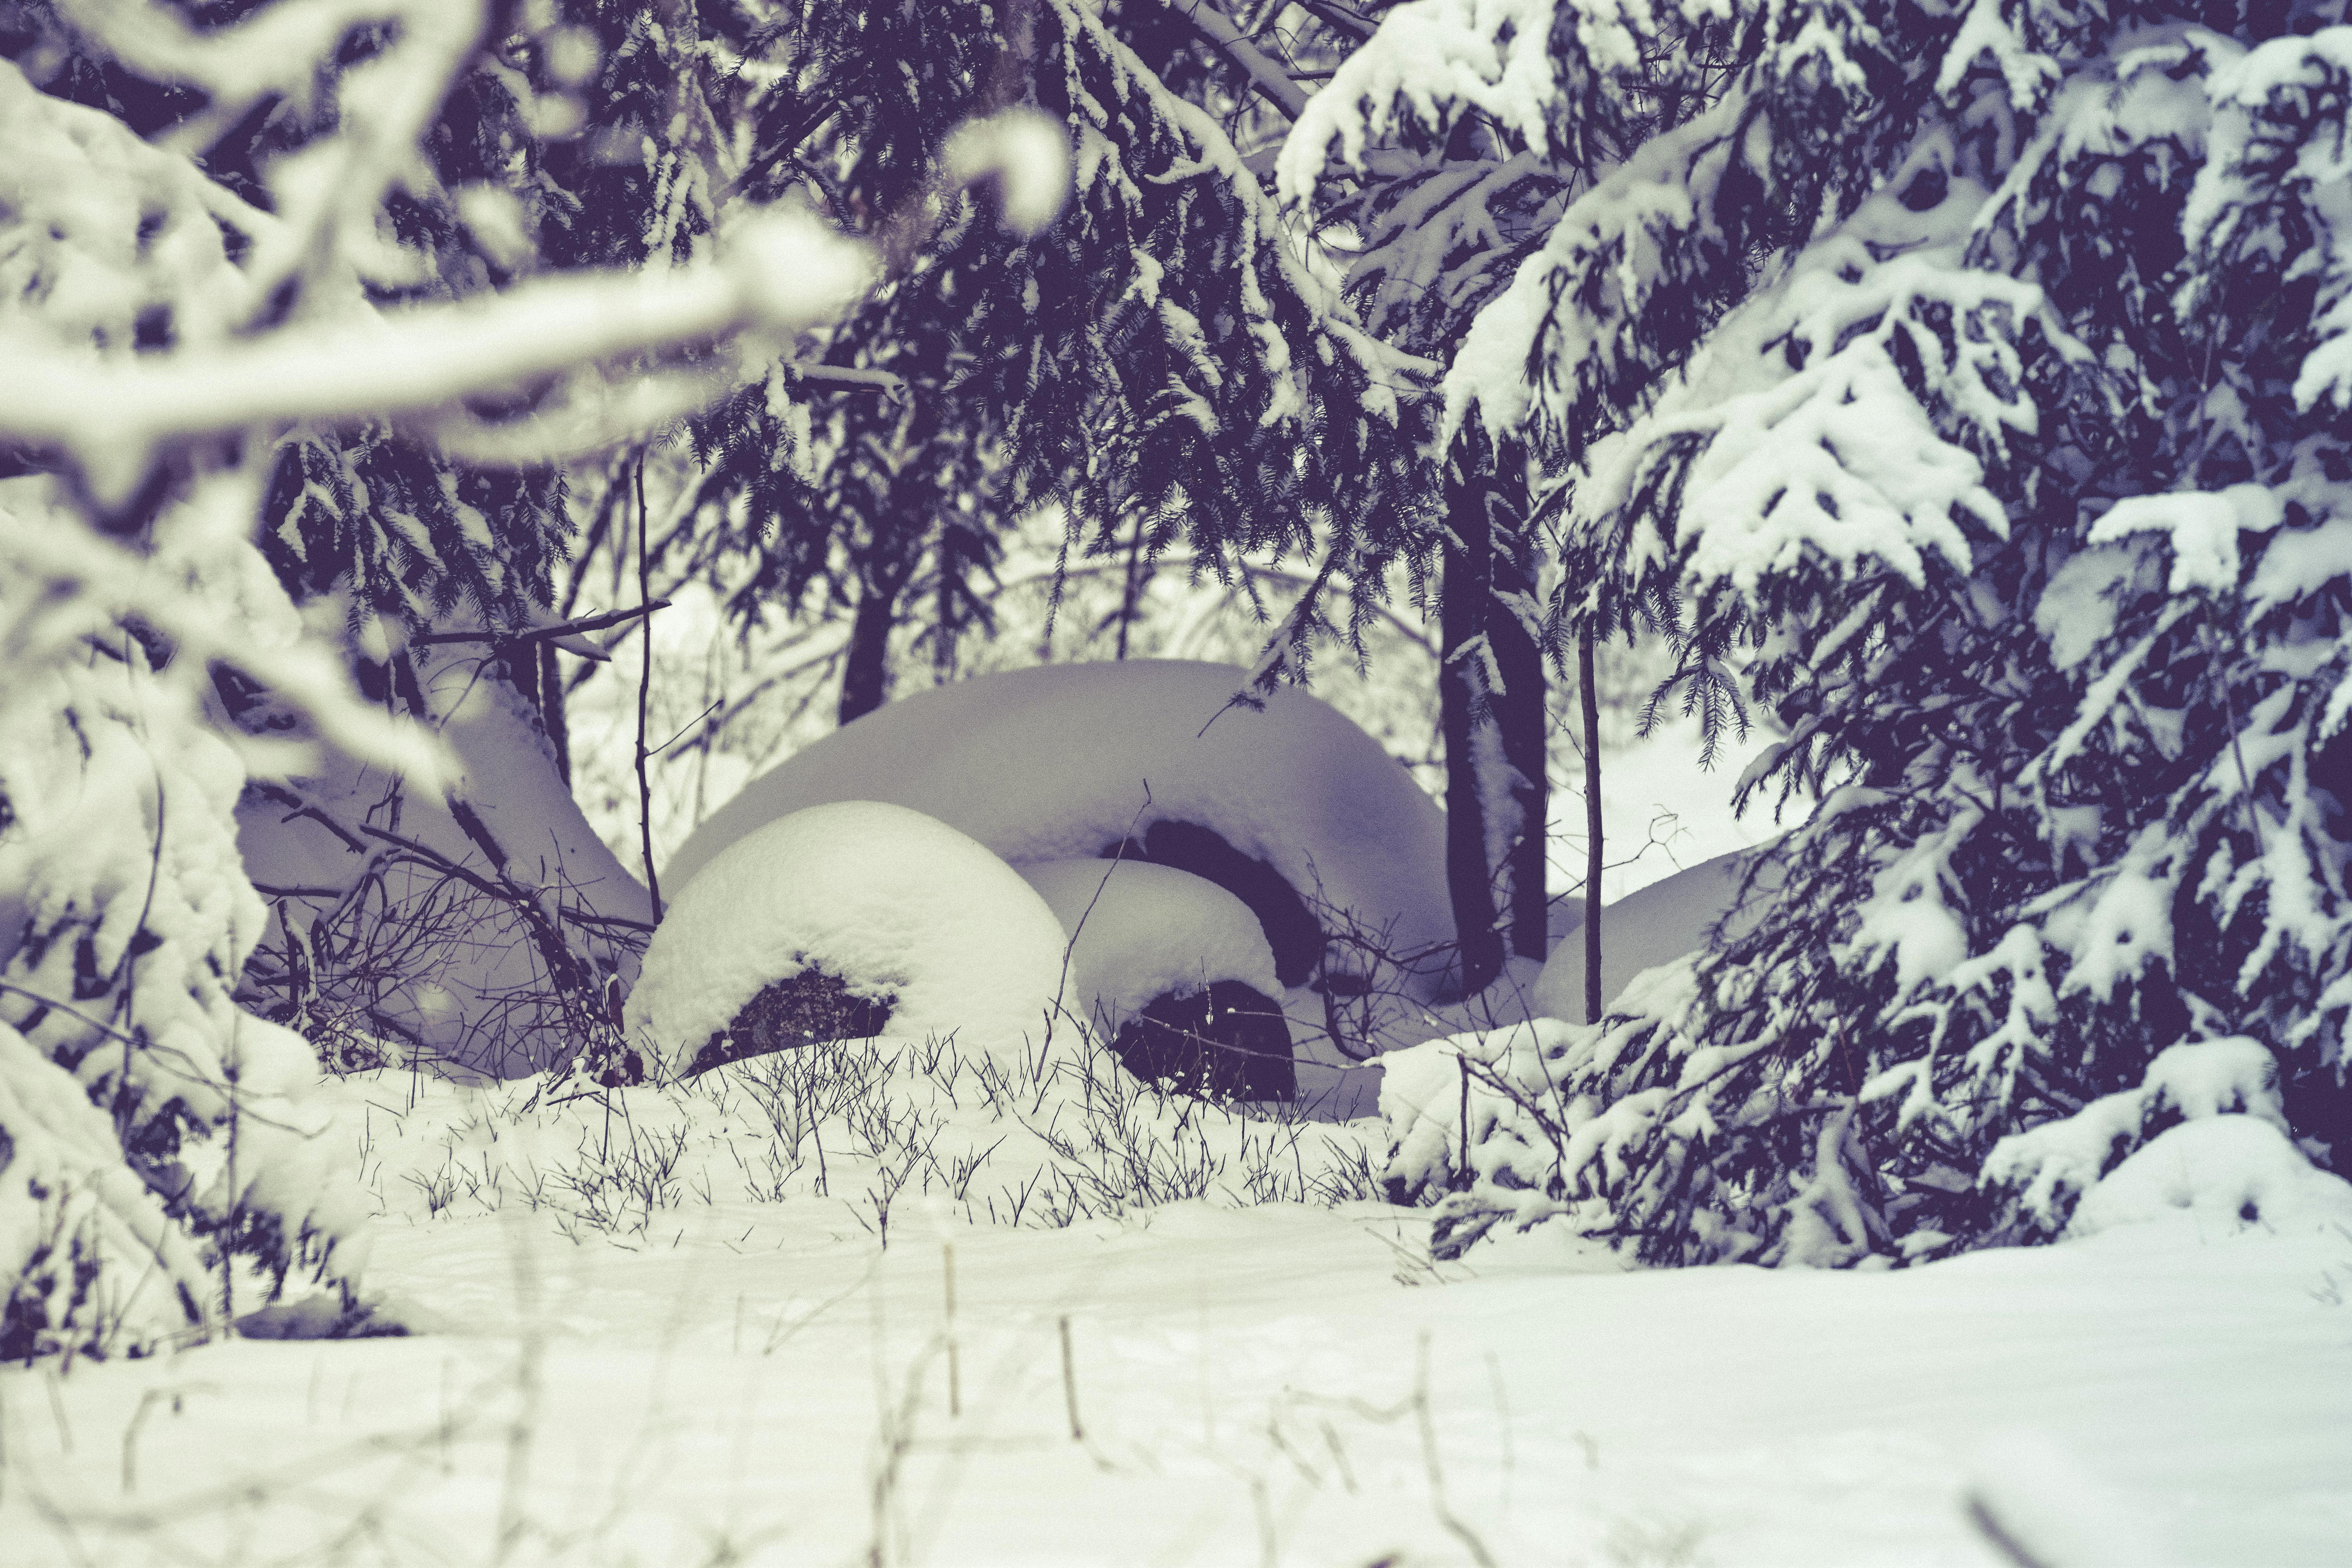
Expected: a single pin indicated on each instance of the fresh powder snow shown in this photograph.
(1139, 932)
(767, 1383)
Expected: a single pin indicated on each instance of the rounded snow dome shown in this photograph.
(1289, 806)
(1139, 932)
(924, 930)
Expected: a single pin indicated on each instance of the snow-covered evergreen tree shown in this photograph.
(1430, 214)
(225, 303)
(1967, 381)
(152, 1134)
(1157, 359)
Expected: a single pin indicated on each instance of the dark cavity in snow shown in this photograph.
(1290, 929)
(1228, 1042)
(811, 1006)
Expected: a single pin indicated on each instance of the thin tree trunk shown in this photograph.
(645, 694)
(1131, 594)
(1590, 703)
(1465, 594)
(550, 710)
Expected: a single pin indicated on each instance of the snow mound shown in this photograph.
(2230, 1170)
(1646, 928)
(883, 898)
(1067, 761)
(2048, 1168)
(1140, 931)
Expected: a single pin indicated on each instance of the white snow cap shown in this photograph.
(886, 899)
(1054, 764)
(1139, 932)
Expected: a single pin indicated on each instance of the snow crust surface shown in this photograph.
(1063, 761)
(883, 898)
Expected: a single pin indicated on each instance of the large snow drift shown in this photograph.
(2228, 1172)
(883, 899)
(1067, 760)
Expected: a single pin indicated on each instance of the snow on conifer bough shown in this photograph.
(1968, 386)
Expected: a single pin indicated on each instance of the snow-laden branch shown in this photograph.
(326, 195)
(1267, 77)
(1630, 223)
(777, 273)
(1427, 57)
(274, 51)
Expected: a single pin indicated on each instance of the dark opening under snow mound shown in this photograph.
(1228, 1042)
(809, 1008)
(1291, 930)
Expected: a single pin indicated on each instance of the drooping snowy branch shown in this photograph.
(779, 276)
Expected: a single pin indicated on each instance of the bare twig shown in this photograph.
(1428, 1425)
(1070, 1382)
(575, 627)
(1590, 699)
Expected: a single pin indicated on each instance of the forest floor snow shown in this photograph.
(1269, 1384)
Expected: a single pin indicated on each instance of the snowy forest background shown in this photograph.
(448, 450)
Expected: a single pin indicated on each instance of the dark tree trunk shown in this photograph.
(1491, 712)
(1465, 600)
(1520, 718)
(550, 710)
(865, 673)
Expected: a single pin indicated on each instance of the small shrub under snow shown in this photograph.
(885, 900)
(1036, 1137)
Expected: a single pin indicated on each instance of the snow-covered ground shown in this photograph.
(737, 1380)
